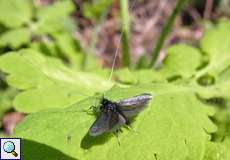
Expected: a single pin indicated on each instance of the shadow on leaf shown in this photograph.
(36, 151)
(89, 141)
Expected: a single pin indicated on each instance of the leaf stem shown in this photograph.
(167, 28)
(124, 4)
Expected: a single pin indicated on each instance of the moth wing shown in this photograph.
(116, 121)
(106, 122)
(100, 125)
(133, 105)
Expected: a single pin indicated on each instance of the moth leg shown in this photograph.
(128, 122)
(94, 109)
(119, 130)
(116, 135)
(129, 127)
(91, 110)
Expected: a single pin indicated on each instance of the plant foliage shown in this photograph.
(192, 85)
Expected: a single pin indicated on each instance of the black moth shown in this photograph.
(113, 115)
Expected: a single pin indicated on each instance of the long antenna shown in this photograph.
(119, 43)
(115, 56)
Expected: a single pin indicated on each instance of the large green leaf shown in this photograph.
(175, 126)
(46, 81)
(15, 13)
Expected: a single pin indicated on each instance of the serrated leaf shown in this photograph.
(182, 60)
(15, 13)
(15, 38)
(46, 81)
(217, 45)
(221, 119)
(174, 126)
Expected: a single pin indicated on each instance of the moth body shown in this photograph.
(114, 115)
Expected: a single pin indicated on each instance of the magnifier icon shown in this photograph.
(9, 147)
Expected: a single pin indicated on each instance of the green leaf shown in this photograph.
(56, 25)
(15, 38)
(96, 9)
(55, 18)
(219, 86)
(15, 13)
(178, 63)
(182, 60)
(221, 118)
(224, 75)
(217, 46)
(218, 151)
(92, 64)
(175, 126)
(70, 49)
(168, 72)
(126, 76)
(215, 76)
(46, 82)
(215, 42)
(39, 152)
(56, 10)
(6, 97)
(138, 76)
(45, 46)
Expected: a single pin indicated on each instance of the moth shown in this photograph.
(113, 115)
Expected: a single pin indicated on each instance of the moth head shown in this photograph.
(104, 101)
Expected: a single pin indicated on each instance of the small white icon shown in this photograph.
(10, 149)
